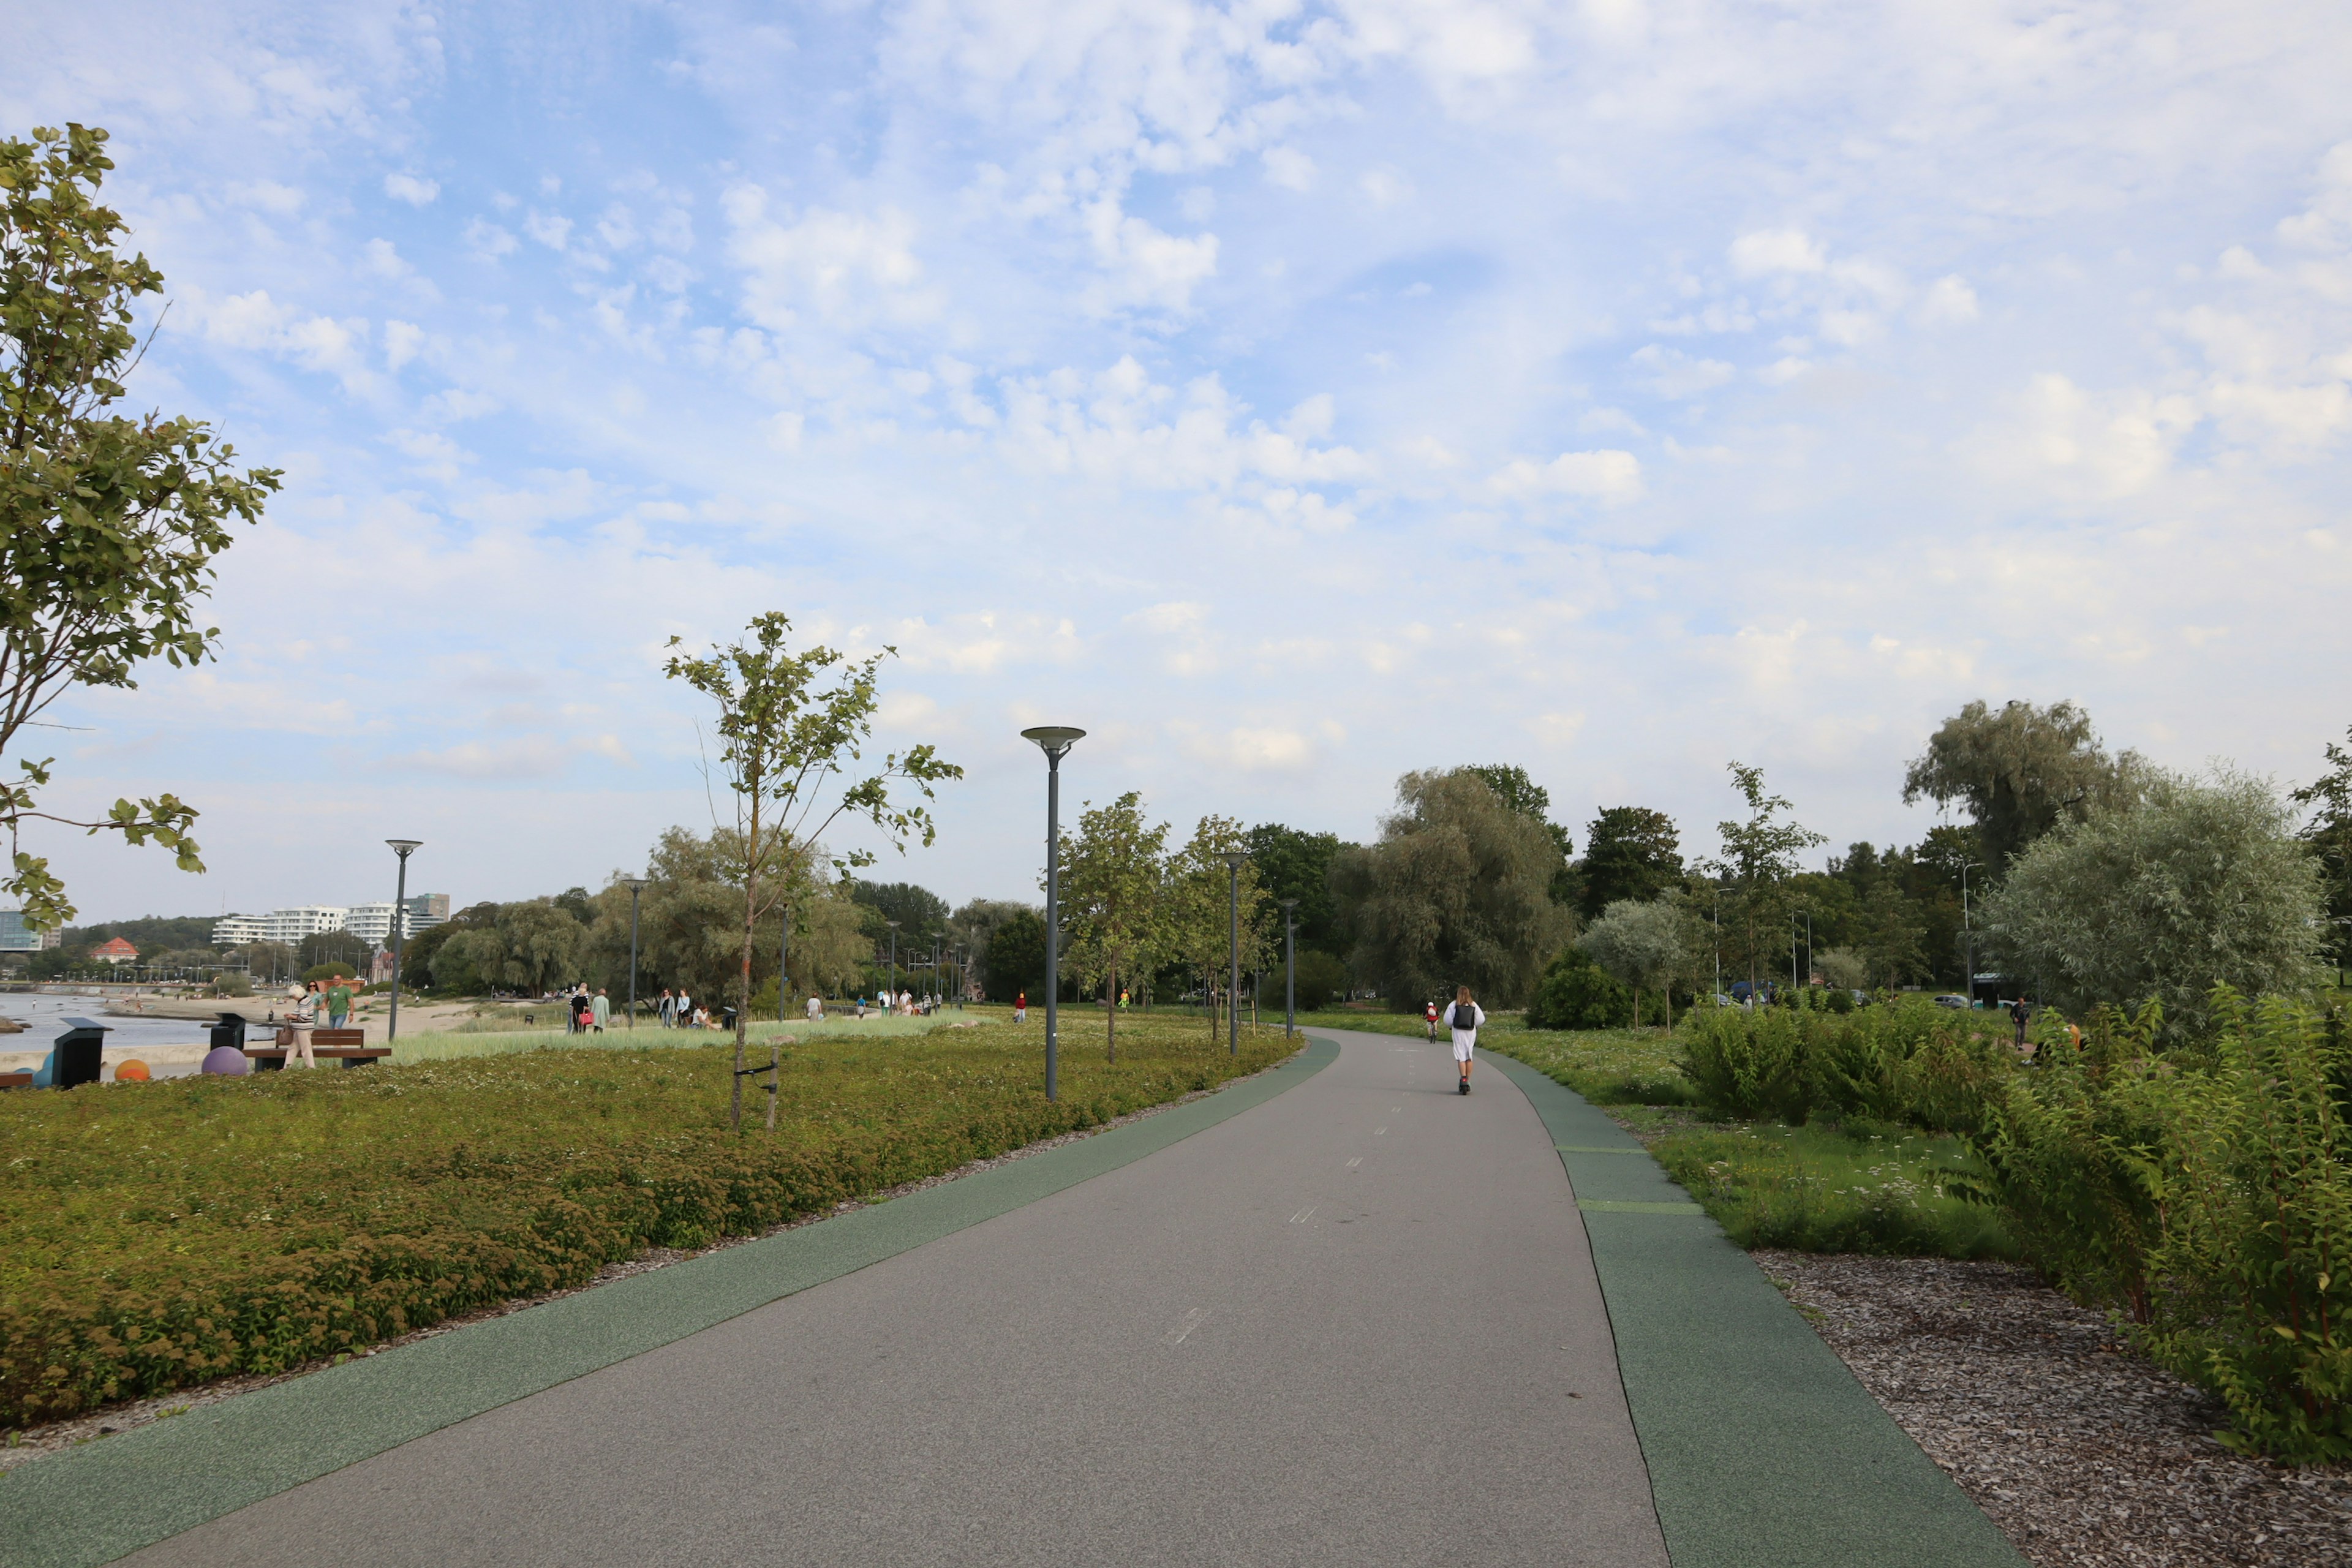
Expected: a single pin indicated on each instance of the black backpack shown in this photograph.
(1462, 1016)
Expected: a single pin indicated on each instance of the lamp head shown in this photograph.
(1235, 858)
(1054, 739)
(1288, 905)
(401, 847)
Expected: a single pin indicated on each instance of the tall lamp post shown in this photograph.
(1055, 741)
(894, 964)
(1233, 860)
(1967, 935)
(403, 848)
(1289, 968)
(636, 886)
(783, 960)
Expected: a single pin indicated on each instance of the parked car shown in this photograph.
(1952, 1000)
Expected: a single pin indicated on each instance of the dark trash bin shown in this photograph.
(79, 1051)
(229, 1031)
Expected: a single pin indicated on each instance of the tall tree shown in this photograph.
(2202, 884)
(783, 745)
(2330, 834)
(1111, 872)
(1642, 944)
(1630, 852)
(2021, 772)
(1456, 891)
(109, 525)
(1758, 857)
(1297, 863)
(1016, 956)
(1521, 794)
(1196, 909)
(973, 927)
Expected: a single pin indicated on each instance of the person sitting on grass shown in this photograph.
(1464, 1018)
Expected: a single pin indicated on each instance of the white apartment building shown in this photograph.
(370, 922)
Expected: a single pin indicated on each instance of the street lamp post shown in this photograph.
(1289, 969)
(784, 964)
(894, 964)
(1056, 741)
(1967, 936)
(403, 848)
(636, 886)
(1233, 858)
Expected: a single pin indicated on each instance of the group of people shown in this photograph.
(586, 1013)
(304, 1007)
(679, 1010)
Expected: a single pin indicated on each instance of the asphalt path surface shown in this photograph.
(1356, 1323)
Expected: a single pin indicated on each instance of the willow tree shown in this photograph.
(107, 524)
(789, 750)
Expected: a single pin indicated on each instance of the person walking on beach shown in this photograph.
(298, 1018)
(1464, 1018)
(339, 1003)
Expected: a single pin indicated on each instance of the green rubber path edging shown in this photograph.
(1763, 1450)
(94, 1504)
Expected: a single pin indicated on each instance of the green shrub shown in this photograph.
(2252, 1273)
(1748, 1063)
(1576, 994)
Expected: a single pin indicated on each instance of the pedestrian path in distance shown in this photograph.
(1763, 1450)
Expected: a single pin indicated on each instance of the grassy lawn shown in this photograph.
(1383, 1022)
(154, 1236)
(1859, 1187)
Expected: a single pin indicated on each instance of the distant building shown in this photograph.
(288, 926)
(16, 936)
(114, 950)
(372, 923)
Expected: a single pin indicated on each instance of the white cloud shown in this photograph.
(487, 241)
(1289, 168)
(1769, 251)
(1674, 373)
(1610, 476)
(1144, 266)
(849, 268)
(416, 191)
(1950, 300)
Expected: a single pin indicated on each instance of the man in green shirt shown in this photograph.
(339, 1003)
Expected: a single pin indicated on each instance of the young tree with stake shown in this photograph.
(1760, 856)
(1110, 897)
(783, 745)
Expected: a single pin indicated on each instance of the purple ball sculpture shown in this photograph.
(226, 1060)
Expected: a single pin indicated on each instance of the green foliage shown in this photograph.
(2021, 773)
(1521, 794)
(2330, 834)
(1630, 852)
(1607, 1066)
(108, 525)
(1642, 944)
(1111, 903)
(331, 947)
(1900, 1061)
(1016, 957)
(1866, 1187)
(2203, 885)
(1578, 994)
(918, 911)
(328, 972)
(1296, 864)
(2252, 1269)
(1322, 981)
(150, 934)
(1760, 856)
(1456, 891)
(232, 984)
(158, 1236)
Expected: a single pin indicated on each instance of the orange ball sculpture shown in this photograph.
(133, 1071)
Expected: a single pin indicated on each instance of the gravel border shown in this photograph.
(33, 1442)
(2083, 1453)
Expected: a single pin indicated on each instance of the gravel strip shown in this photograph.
(32, 1442)
(2083, 1453)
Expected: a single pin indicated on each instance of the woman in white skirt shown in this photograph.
(1464, 1018)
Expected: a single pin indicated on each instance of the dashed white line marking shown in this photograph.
(1378, 1131)
(1192, 1320)
(1303, 1215)
(1356, 1161)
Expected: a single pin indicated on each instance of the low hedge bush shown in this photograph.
(156, 1235)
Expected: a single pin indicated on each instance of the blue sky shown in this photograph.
(1289, 395)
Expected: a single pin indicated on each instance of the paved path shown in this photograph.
(1358, 1323)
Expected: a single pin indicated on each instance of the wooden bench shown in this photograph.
(347, 1046)
(15, 1080)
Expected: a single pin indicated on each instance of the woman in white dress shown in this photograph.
(1464, 1018)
